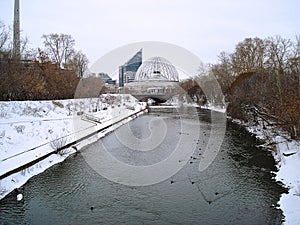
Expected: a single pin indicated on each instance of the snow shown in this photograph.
(186, 101)
(214, 108)
(287, 157)
(287, 154)
(289, 174)
(32, 129)
(28, 128)
(19, 197)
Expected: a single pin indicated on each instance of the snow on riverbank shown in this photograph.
(288, 160)
(214, 108)
(30, 130)
(287, 157)
(289, 174)
(186, 101)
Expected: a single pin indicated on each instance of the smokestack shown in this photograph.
(16, 47)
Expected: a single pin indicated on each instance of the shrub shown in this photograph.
(58, 142)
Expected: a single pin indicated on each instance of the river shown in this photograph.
(238, 187)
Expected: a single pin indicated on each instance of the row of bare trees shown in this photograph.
(274, 55)
(255, 97)
(6, 49)
(58, 49)
(32, 80)
(50, 72)
(261, 81)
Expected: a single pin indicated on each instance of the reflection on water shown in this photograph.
(237, 188)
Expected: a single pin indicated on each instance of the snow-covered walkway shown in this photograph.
(31, 130)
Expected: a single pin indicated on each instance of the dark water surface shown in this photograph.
(237, 188)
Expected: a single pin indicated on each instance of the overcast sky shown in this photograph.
(203, 27)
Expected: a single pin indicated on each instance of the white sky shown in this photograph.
(203, 27)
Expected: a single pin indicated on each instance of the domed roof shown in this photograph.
(156, 69)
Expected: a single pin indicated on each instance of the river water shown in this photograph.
(238, 187)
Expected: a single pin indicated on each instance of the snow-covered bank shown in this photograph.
(287, 154)
(186, 101)
(285, 151)
(214, 108)
(32, 129)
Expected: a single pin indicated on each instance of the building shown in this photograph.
(129, 76)
(106, 79)
(157, 78)
(128, 70)
(157, 69)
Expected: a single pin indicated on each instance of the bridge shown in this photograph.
(160, 98)
(156, 78)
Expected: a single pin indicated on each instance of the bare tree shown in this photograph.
(297, 56)
(223, 71)
(295, 61)
(59, 47)
(249, 56)
(79, 63)
(4, 37)
(279, 52)
(25, 52)
(203, 69)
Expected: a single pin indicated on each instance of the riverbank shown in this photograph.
(32, 130)
(287, 155)
(26, 125)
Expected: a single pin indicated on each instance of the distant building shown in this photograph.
(128, 70)
(106, 79)
(157, 78)
(129, 76)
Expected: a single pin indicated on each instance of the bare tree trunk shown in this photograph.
(299, 85)
(279, 88)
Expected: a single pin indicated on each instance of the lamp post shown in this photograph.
(16, 37)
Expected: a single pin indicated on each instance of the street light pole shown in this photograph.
(16, 41)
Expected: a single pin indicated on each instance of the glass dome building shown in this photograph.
(156, 69)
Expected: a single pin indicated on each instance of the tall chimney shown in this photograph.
(16, 47)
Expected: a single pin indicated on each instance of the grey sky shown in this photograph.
(203, 27)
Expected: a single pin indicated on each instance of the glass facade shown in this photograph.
(106, 79)
(157, 68)
(129, 69)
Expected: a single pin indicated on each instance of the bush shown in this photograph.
(58, 142)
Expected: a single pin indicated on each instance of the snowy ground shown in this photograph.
(32, 129)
